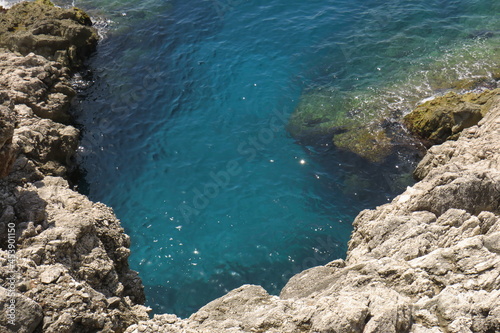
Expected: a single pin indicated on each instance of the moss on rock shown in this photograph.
(45, 2)
(446, 116)
(63, 35)
(370, 143)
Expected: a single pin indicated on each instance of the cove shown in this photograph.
(184, 130)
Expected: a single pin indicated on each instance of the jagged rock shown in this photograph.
(72, 260)
(444, 117)
(36, 85)
(18, 314)
(46, 141)
(63, 35)
(7, 156)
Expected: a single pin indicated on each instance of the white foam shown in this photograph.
(8, 3)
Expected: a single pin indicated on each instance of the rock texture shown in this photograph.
(55, 33)
(429, 261)
(63, 258)
(444, 117)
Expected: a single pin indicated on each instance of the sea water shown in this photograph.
(184, 118)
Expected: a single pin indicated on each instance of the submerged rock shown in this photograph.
(350, 123)
(354, 119)
(445, 117)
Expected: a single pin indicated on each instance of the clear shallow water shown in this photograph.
(183, 128)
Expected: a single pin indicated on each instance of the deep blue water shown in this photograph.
(184, 127)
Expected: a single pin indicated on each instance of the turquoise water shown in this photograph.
(184, 135)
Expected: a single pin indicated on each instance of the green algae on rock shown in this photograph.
(444, 117)
(63, 35)
(369, 142)
(351, 121)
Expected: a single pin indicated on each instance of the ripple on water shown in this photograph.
(186, 93)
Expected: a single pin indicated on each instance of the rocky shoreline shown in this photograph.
(63, 258)
(429, 261)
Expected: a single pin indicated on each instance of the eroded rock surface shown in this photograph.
(63, 258)
(429, 261)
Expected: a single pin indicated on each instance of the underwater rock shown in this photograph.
(372, 144)
(482, 34)
(63, 35)
(353, 118)
(350, 124)
(444, 117)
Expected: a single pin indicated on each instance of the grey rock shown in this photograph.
(51, 274)
(18, 314)
(71, 254)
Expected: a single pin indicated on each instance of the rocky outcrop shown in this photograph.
(64, 35)
(63, 258)
(429, 261)
(444, 117)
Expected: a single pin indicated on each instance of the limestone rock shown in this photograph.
(36, 85)
(26, 314)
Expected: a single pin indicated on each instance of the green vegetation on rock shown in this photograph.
(370, 143)
(446, 116)
(63, 35)
(45, 2)
(354, 118)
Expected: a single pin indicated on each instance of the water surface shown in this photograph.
(184, 128)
